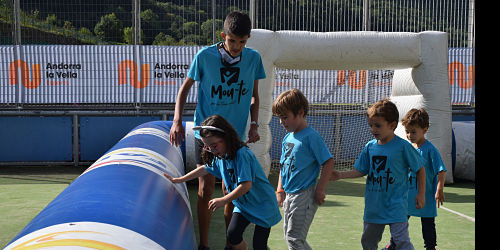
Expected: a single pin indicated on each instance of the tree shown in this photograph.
(192, 39)
(206, 28)
(51, 19)
(68, 28)
(109, 28)
(163, 39)
(128, 35)
(190, 28)
(150, 24)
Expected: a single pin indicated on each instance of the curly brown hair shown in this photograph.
(417, 117)
(230, 137)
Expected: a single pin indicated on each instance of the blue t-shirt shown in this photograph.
(302, 155)
(226, 91)
(258, 205)
(433, 165)
(387, 167)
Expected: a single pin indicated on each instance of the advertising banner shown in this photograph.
(93, 74)
(107, 74)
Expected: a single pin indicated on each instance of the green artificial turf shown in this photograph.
(337, 224)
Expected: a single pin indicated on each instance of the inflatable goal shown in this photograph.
(420, 80)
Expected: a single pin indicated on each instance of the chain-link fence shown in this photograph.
(196, 22)
(188, 22)
(111, 57)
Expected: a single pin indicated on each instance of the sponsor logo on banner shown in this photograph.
(464, 77)
(95, 77)
(55, 73)
(32, 83)
(355, 79)
(129, 66)
(163, 74)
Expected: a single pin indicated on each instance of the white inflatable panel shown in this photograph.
(345, 50)
(465, 150)
(420, 80)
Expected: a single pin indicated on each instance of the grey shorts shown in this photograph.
(372, 234)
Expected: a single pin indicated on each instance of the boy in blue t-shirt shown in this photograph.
(303, 152)
(387, 160)
(228, 75)
(416, 123)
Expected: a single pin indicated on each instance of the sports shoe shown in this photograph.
(389, 247)
(200, 247)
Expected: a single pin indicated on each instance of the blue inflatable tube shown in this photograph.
(122, 201)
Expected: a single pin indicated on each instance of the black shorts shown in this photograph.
(198, 148)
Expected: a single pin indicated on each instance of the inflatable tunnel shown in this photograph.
(122, 201)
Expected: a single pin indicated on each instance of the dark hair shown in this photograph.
(291, 100)
(417, 117)
(384, 108)
(237, 23)
(231, 138)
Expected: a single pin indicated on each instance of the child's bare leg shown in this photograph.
(205, 191)
(228, 212)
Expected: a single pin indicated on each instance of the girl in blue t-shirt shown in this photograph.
(227, 157)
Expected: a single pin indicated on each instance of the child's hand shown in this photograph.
(280, 197)
(172, 179)
(420, 201)
(439, 197)
(253, 135)
(320, 196)
(335, 175)
(216, 203)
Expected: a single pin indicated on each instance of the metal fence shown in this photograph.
(27, 23)
(87, 60)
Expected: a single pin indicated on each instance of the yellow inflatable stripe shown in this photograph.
(48, 240)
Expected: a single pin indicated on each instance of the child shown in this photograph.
(416, 123)
(387, 160)
(228, 75)
(248, 188)
(303, 152)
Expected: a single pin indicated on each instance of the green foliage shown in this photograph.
(192, 39)
(190, 21)
(85, 31)
(51, 19)
(163, 39)
(128, 35)
(110, 28)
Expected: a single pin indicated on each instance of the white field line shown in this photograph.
(459, 214)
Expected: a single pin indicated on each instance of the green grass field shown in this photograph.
(25, 191)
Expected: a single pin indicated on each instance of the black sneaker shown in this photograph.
(389, 247)
(200, 247)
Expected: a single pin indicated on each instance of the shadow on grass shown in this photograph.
(39, 174)
(461, 191)
(458, 198)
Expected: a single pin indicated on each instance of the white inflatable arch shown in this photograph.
(420, 77)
